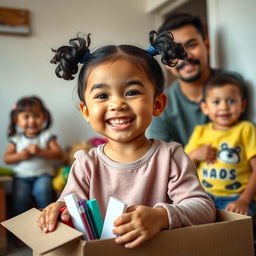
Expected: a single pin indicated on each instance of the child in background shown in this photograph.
(30, 150)
(225, 149)
(121, 89)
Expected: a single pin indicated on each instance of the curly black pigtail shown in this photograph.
(69, 57)
(12, 126)
(170, 51)
(48, 118)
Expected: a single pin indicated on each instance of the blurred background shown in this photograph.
(25, 67)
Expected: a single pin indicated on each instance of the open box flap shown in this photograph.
(24, 226)
(222, 215)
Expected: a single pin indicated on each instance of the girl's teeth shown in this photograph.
(118, 121)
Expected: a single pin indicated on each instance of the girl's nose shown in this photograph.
(118, 105)
(31, 119)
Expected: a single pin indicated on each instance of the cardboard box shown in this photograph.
(230, 235)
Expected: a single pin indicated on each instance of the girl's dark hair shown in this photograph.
(224, 79)
(67, 58)
(25, 104)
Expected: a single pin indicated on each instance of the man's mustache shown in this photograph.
(184, 63)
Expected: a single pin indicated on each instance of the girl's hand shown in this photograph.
(205, 153)
(24, 154)
(238, 206)
(33, 149)
(139, 224)
(48, 218)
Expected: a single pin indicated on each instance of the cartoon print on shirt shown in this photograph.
(228, 155)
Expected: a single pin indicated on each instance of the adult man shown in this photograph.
(183, 111)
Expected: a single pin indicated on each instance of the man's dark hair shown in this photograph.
(178, 20)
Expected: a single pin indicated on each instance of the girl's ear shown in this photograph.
(204, 108)
(159, 104)
(84, 111)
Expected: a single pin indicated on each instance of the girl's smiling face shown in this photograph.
(31, 121)
(120, 100)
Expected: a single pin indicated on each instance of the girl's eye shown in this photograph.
(26, 117)
(101, 96)
(132, 93)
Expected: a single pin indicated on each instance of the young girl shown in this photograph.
(120, 88)
(30, 149)
(225, 149)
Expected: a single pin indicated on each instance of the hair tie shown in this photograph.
(152, 50)
(86, 55)
(14, 107)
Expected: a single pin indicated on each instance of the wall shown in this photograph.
(24, 62)
(232, 37)
(195, 7)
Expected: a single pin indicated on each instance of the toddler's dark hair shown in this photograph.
(224, 79)
(25, 104)
(67, 58)
(178, 20)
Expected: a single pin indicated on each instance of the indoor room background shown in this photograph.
(25, 67)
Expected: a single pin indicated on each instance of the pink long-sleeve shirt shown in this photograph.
(163, 177)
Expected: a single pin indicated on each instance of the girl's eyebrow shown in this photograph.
(130, 82)
(98, 86)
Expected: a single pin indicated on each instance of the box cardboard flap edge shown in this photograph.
(222, 215)
(24, 226)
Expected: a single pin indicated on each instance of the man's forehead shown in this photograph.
(186, 33)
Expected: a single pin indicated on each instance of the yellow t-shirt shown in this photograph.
(229, 175)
